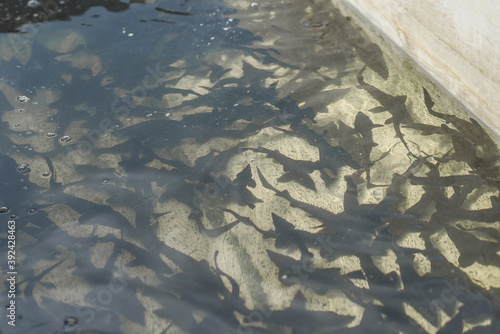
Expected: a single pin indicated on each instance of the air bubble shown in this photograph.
(45, 174)
(69, 323)
(65, 139)
(23, 98)
(33, 4)
(50, 134)
(22, 167)
(4, 209)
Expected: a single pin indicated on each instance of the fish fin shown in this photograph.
(428, 100)
(378, 109)
(301, 178)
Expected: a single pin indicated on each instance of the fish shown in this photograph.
(301, 272)
(471, 129)
(286, 234)
(295, 170)
(221, 317)
(351, 195)
(214, 232)
(247, 221)
(426, 129)
(373, 56)
(393, 104)
(464, 148)
(170, 11)
(472, 249)
(316, 97)
(91, 213)
(237, 189)
(447, 181)
(351, 230)
(302, 320)
(330, 157)
(214, 162)
(364, 126)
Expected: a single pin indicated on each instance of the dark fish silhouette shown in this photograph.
(471, 129)
(170, 11)
(301, 272)
(247, 221)
(286, 234)
(213, 232)
(393, 104)
(238, 191)
(372, 55)
(221, 317)
(303, 321)
(330, 157)
(295, 170)
(473, 249)
(91, 213)
(447, 181)
(426, 129)
(364, 126)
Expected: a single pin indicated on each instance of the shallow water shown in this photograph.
(238, 167)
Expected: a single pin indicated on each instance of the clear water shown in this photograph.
(236, 167)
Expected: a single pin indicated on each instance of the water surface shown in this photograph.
(238, 167)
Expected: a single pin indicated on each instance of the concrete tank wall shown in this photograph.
(456, 41)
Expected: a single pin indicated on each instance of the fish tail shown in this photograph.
(361, 81)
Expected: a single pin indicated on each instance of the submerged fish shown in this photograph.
(295, 170)
(470, 129)
(364, 126)
(286, 234)
(302, 320)
(393, 104)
